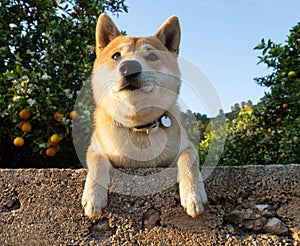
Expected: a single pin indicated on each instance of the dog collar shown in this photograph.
(152, 127)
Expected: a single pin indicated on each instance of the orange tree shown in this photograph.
(279, 109)
(46, 54)
(267, 133)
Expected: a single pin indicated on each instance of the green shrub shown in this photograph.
(267, 133)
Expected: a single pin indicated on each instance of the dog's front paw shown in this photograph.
(93, 201)
(193, 200)
(192, 204)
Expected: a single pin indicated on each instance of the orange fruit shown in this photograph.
(50, 151)
(78, 10)
(58, 116)
(21, 123)
(53, 144)
(53, 3)
(25, 114)
(73, 115)
(88, 12)
(278, 120)
(26, 127)
(269, 130)
(54, 139)
(285, 105)
(292, 74)
(18, 141)
(56, 148)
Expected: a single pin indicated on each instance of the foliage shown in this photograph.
(247, 141)
(47, 51)
(280, 108)
(211, 146)
(269, 132)
(195, 125)
(250, 141)
(284, 81)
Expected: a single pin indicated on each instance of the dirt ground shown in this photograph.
(248, 205)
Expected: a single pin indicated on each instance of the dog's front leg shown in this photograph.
(94, 197)
(191, 187)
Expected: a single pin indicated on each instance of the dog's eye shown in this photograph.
(152, 57)
(116, 56)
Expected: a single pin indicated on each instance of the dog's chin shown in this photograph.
(133, 93)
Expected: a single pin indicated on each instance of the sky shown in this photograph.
(217, 38)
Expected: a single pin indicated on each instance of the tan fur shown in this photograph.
(123, 146)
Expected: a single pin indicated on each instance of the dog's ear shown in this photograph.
(106, 31)
(169, 34)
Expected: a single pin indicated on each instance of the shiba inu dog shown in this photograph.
(136, 82)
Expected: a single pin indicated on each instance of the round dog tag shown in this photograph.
(166, 121)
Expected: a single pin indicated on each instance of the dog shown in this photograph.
(136, 83)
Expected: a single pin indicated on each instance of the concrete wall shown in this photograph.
(248, 204)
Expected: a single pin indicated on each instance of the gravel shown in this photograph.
(248, 205)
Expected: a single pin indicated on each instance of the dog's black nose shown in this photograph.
(130, 69)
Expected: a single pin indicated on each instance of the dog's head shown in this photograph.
(136, 79)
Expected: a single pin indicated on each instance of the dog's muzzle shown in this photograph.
(130, 71)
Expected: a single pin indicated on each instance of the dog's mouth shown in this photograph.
(130, 85)
(135, 85)
(130, 88)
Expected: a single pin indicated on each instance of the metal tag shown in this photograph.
(166, 121)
